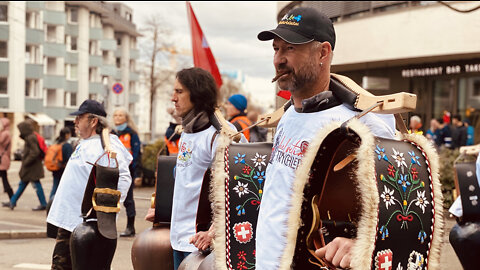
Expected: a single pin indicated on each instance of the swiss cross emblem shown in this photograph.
(384, 260)
(243, 232)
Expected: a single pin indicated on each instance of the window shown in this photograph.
(33, 20)
(73, 99)
(51, 66)
(3, 86)
(32, 54)
(51, 33)
(51, 97)
(71, 43)
(32, 88)
(71, 71)
(93, 48)
(132, 66)
(131, 87)
(3, 13)
(3, 49)
(119, 62)
(73, 18)
(93, 75)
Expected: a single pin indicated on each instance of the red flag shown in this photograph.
(202, 55)
(284, 94)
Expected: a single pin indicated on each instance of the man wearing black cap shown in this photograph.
(303, 43)
(65, 212)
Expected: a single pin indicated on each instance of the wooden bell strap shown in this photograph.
(251, 126)
(106, 209)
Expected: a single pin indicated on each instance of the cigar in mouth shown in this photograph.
(279, 75)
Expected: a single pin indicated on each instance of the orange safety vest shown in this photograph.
(244, 123)
(126, 140)
(172, 146)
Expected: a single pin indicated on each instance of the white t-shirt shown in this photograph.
(456, 209)
(66, 208)
(294, 132)
(195, 154)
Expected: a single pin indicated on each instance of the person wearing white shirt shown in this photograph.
(195, 98)
(303, 44)
(65, 212)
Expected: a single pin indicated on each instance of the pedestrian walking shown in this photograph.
(31, 169)
(126, 131)
(57, 157)
(5, 152)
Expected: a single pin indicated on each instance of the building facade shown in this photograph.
(427, 48)
(54, 55)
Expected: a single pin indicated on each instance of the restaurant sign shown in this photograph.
(440, 70)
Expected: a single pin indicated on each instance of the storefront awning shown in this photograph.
(42, 119)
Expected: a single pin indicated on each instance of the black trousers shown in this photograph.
(129, 202)
(6, 185)
(61, 259)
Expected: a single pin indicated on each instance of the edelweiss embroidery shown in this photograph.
(403, 191)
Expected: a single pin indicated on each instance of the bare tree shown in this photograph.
(159, 38)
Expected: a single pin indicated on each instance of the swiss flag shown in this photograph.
(202, 55)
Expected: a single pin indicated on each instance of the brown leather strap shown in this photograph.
(400, 123)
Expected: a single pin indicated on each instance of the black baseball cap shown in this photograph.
(91, 106)
(302, 25)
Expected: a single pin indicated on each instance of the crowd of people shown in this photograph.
(449, 132)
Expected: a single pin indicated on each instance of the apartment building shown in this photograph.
(428, 48)
(56, 54)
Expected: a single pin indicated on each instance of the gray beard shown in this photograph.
(305, 75)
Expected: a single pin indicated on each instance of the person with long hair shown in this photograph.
(195, 99)
(128, 135)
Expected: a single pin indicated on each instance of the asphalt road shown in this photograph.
(35, 253)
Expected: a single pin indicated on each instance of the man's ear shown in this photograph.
(94, 121)
(325, 50)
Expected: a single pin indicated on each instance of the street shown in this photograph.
(35, 253)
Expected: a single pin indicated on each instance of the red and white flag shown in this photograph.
(202, 55)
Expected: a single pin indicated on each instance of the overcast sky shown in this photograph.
(231, 30)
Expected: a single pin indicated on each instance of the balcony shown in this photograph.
(96, 88)
(71, 86)
(4, 32)
(133, 76)
(33, 71)
(4, 102)
(71, 30)
(54, 81)
(34, 36)
(54, 49)
(71, 58)
(96, 33)
(95, 61)
(4, 68)
(133, 98)
(118, 75)
(134, 54)
(54, 17)
(35, 5)
(58, 113)
(33, 105)
(106, 70)
(108, 45)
